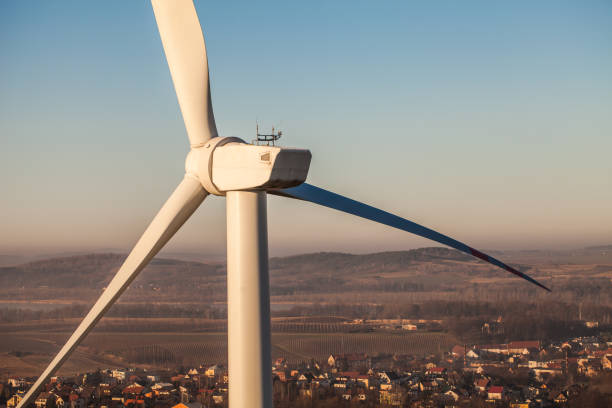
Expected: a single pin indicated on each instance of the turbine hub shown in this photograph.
(229, 164)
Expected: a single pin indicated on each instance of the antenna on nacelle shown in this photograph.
(266, 139)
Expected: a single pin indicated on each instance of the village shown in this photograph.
(519, 374)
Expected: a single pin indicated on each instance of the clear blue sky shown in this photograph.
(489, 121)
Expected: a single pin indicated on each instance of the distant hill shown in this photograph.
(337, 260)
(81, 278)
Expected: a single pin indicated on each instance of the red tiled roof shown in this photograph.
(496, 389)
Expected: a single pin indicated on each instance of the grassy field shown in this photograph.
(27, 353)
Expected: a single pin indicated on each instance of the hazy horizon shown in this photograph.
(202, 255)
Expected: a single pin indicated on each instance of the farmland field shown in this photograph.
(29, 352)
(174, 313)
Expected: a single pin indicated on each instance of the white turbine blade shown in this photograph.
(182, 203)
(181, 35)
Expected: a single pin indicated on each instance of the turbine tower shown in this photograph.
(244, 174)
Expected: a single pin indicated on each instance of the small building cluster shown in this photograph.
(519, 374)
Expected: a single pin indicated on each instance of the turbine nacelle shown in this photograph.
(229, 164)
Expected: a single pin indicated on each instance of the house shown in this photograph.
(495, 392)
(481, 384)
(344, 361)
(363, 380)
(347, 375)
(133, 390)
(119, 375)
(45, 400)
(104, 390)
(606, 362)
(593, 368)
(59, 401)
(184, 392)
(15, 382)
(163, 390)
(561, 398)
(340, 385)
(536, 364)
(213, 371)
(428, 386)
(436, 371)
(305, 377)
(14, 400)
(388, 377)
(450, 394)
(391, 397)
(386, 386)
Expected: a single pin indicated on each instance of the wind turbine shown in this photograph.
(244, 174)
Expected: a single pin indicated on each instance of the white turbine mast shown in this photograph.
(244, 174)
